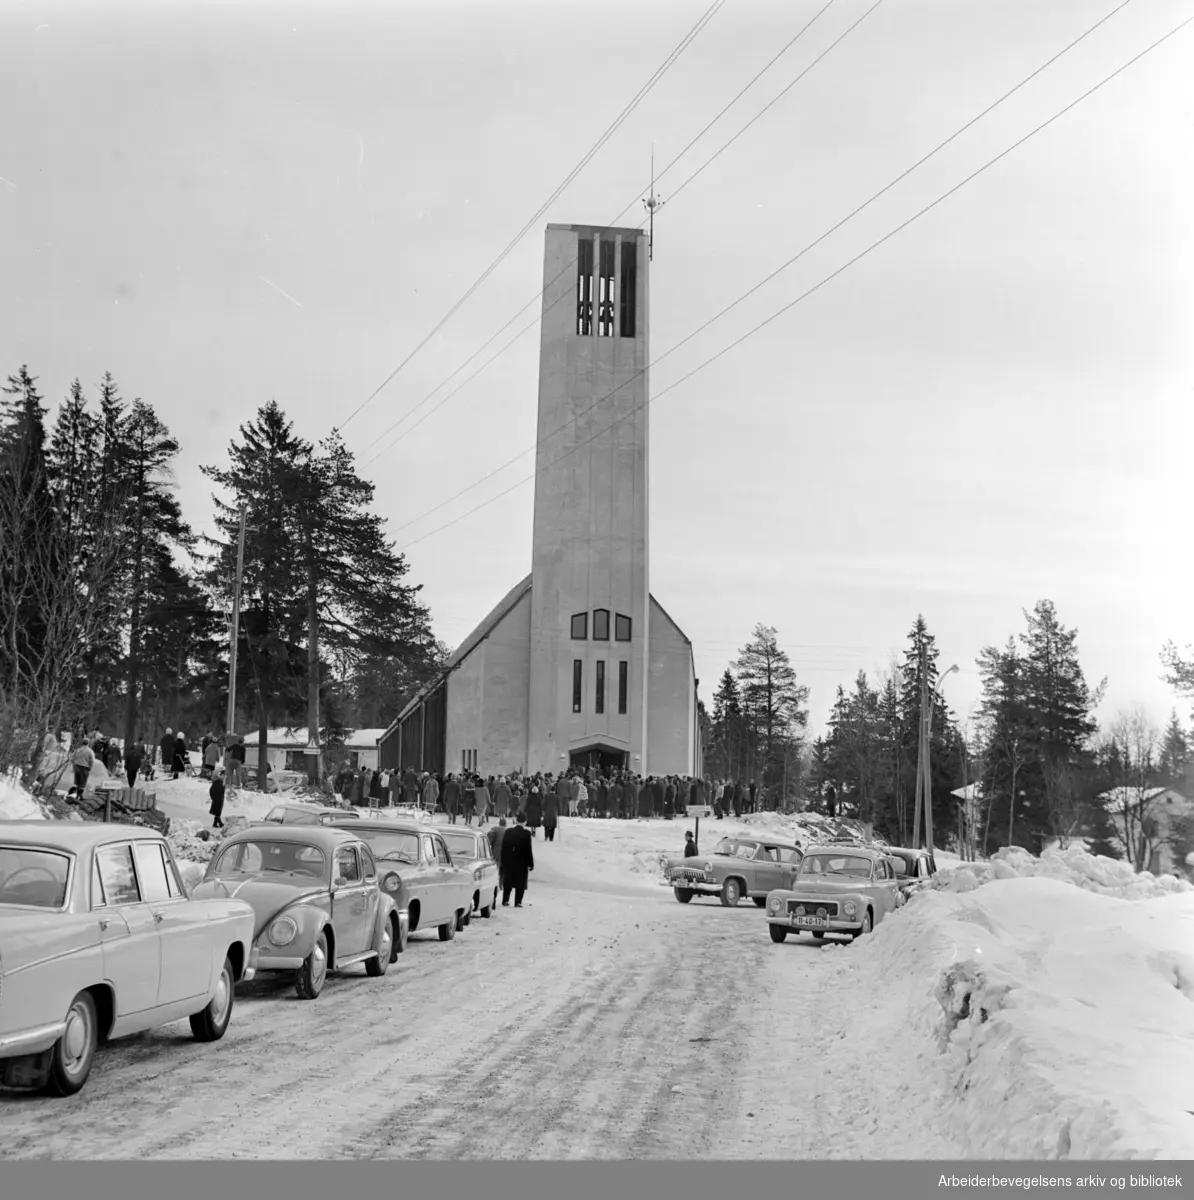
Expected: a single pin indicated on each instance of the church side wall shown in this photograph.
(465, 710)
(506, 696)
(669, 720)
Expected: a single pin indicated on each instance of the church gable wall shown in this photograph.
(506, 697)
(670, 698)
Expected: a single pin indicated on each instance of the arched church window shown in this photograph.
(580, 626)
(622, 628)
(601, 624)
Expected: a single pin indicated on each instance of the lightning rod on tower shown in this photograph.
(652, 203)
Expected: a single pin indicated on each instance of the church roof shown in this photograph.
(470, 643)
(670, 621)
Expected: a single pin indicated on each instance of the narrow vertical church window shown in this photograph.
(580, 626)
(605, 291)
(623, 685)
(628, 290)
(601, 624)
(600, 687)
(577, 683)
(584, 285)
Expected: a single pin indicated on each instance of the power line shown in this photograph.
(779, 270)
(771, 103)
(660, 71)
(572, 262)
(785, 308)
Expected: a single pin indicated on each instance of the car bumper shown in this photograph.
(251, 969)
(705, 887)
(30, 1041)
(804, 925)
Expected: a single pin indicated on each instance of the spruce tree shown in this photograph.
(771, 696)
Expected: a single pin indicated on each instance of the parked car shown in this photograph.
(99, 940)
(320, 904)
(840, 889)
(297, 813)
(739, 866)
(470, 848)
(434, 891)
(911, 867)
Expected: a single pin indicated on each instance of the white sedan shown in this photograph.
(98, 940)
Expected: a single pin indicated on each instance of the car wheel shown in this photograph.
(312, 975)
(778, 933)
(399, 942)
(377, 967)
(461, 921)
(476, 902)
(74, 1051)
(760, 901)
(731, 893)
(486, 912)
(209, 1023)
(447, 931)
(867, 925)
(684, 895)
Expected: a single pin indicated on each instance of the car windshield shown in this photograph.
(461, 845)
(33, 877)
(854, 866)
(735, 848)
(390, 846)
(259, 857)
(903, 866)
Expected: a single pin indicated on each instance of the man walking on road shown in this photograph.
(518, 860)
(496, 835)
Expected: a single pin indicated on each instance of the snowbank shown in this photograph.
(1057, 1015)
(16, 804)
(1107, 876)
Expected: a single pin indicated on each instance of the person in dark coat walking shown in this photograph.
(181, 758)
(410, 788)
(551, 815)
(166, 749)
(451, 797)
(534, 810)
(690, 846)
(518, 860)
(132, 762)
(644, 798)
(739, 792)
(216, 792)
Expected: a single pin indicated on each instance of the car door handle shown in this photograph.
(159, 917)
(104, 923)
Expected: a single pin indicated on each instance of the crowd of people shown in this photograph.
(543, 798)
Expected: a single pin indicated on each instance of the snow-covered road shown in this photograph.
(592, 1023)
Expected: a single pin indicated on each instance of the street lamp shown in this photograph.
(928, 776)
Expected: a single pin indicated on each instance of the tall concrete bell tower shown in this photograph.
(590, 595)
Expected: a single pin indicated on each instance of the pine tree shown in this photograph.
(771, 696)
(1174, 754)
(267, 475)
(727, 724)
(1005, 717)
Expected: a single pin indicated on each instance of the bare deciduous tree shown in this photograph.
(1130, 754)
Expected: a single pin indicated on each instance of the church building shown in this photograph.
(578, 664)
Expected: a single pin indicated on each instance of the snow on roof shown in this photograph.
(1129, 796)
(358, 739)
(972, 791)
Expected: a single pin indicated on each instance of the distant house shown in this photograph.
(284, 748)
(1159, 810)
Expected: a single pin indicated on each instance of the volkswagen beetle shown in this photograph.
(316, 898)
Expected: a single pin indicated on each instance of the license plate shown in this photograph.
(813, 922)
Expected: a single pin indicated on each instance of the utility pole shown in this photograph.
(240, 570)
(921, 751)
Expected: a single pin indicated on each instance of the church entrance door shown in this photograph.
(601, 758)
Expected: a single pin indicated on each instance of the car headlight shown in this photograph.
(800, 910)
(707, 866)
(775, 904)
(391, 883)
(477, 874)
(850, 908)
(283, 931)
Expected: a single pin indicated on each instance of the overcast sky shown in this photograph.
(222, 204)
